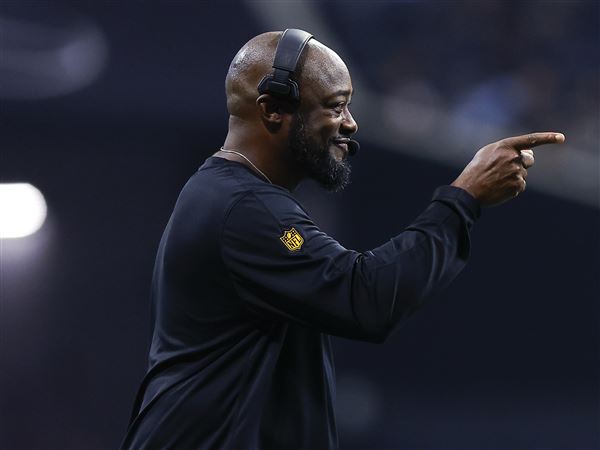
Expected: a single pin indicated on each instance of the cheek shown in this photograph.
(322, 128)
(329, 130)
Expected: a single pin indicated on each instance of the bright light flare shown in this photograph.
(22, 210)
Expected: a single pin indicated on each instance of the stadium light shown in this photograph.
(22, 210)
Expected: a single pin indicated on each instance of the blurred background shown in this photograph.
(106, 109)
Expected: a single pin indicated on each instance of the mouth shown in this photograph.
(343, 144)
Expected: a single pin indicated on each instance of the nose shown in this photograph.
(349, 125)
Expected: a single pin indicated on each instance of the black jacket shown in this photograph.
(246, 290)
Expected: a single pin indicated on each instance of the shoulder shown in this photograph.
(231, 191)
(266, 204)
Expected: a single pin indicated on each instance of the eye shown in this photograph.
(339, 107)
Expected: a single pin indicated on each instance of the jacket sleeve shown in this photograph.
(283, 266)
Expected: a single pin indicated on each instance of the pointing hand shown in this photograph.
(498, 172)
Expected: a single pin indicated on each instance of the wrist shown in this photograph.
(468, 189)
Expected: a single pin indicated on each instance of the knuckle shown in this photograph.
(532, 138)
(501, 145)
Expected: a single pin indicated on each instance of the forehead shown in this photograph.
(324, 75)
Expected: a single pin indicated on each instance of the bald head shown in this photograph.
(318, 65)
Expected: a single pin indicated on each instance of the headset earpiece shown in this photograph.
(288, 52)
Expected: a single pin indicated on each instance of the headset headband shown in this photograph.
(290, 47)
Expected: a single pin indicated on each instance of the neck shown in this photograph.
(245, 158)
(266, 154)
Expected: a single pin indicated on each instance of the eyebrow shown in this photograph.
(344, 92)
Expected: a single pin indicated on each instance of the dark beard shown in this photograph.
(317, 162)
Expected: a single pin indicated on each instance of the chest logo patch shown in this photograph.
(292, 239)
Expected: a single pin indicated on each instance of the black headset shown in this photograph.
(279, 84)
(290, 47)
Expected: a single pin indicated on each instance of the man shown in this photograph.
(246, 289)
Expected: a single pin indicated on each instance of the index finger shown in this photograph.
(533, 140)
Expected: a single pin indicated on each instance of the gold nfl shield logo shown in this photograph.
(292, 239)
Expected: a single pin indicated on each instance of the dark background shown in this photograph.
(507, 358)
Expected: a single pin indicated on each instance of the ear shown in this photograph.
(270, 109)
(274, 112)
